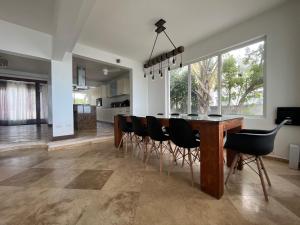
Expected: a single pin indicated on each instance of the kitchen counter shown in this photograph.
(107, 114)
(84, 117)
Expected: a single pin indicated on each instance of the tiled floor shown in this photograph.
(24, 133)
(95, 184)
(34, 136)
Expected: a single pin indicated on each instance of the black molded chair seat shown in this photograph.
(192, 114)
(182, 134)
(252, 142)
(125, 126)
(138, 128)
(196, 133)
(126, 129)
(155, 130)
(175, 114)
(214, 115)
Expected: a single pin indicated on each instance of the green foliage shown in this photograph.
(179, 90)
(242, 78)
(242, 82)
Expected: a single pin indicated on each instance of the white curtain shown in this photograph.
(44, 101)
(18, 101)
(3, 100)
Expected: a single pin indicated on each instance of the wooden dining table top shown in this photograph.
(196, 118)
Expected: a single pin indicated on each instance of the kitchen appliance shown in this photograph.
(99, 102)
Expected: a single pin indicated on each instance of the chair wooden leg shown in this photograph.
(264, 169)
(145, 149)
(126, 143)
(233, 164)
(261, 179)
(150, 152)
(171, 149)
(191, 166)
(183, 157)
(122, 140)
(240, 159)
(160, 158)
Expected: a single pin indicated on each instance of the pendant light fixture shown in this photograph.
(163, 60)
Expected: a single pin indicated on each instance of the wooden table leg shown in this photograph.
(117, 131)
(212, 159)
(230, 154)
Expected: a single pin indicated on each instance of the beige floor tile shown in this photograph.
(134, 193)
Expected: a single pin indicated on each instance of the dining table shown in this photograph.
(212, 131)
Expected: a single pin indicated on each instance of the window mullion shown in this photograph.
(219, 83)
(189, 110)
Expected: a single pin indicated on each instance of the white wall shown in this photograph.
(62, 104)
(156, 95)
(282, 28)
(139, 88)
(22, 40)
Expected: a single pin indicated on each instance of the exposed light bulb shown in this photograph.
(174, 60)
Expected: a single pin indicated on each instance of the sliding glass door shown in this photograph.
(18, 103)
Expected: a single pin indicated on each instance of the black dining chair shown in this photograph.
(141, 134)
(157, 134)
(255, 144)
(182, 135)
(175, 114)
(126, 129)
(192, 114)
(196, 132)
(160, 114)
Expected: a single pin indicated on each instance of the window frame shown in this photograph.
(219, 54)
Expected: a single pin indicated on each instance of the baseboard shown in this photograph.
(276, 158)
(64, 137)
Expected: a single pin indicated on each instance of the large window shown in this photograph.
(179, 90)
(230, 82)
(204, 79)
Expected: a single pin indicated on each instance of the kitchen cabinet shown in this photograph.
(103, 91)
(115, 88)
(107, 114)
(123, 86)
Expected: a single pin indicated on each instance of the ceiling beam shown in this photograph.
(70, 17)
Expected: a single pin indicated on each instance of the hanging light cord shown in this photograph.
(153, 47)
(169, 39)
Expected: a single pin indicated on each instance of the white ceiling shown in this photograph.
(25, 64)
(94, 69)
(127, 27)
(34, 14)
